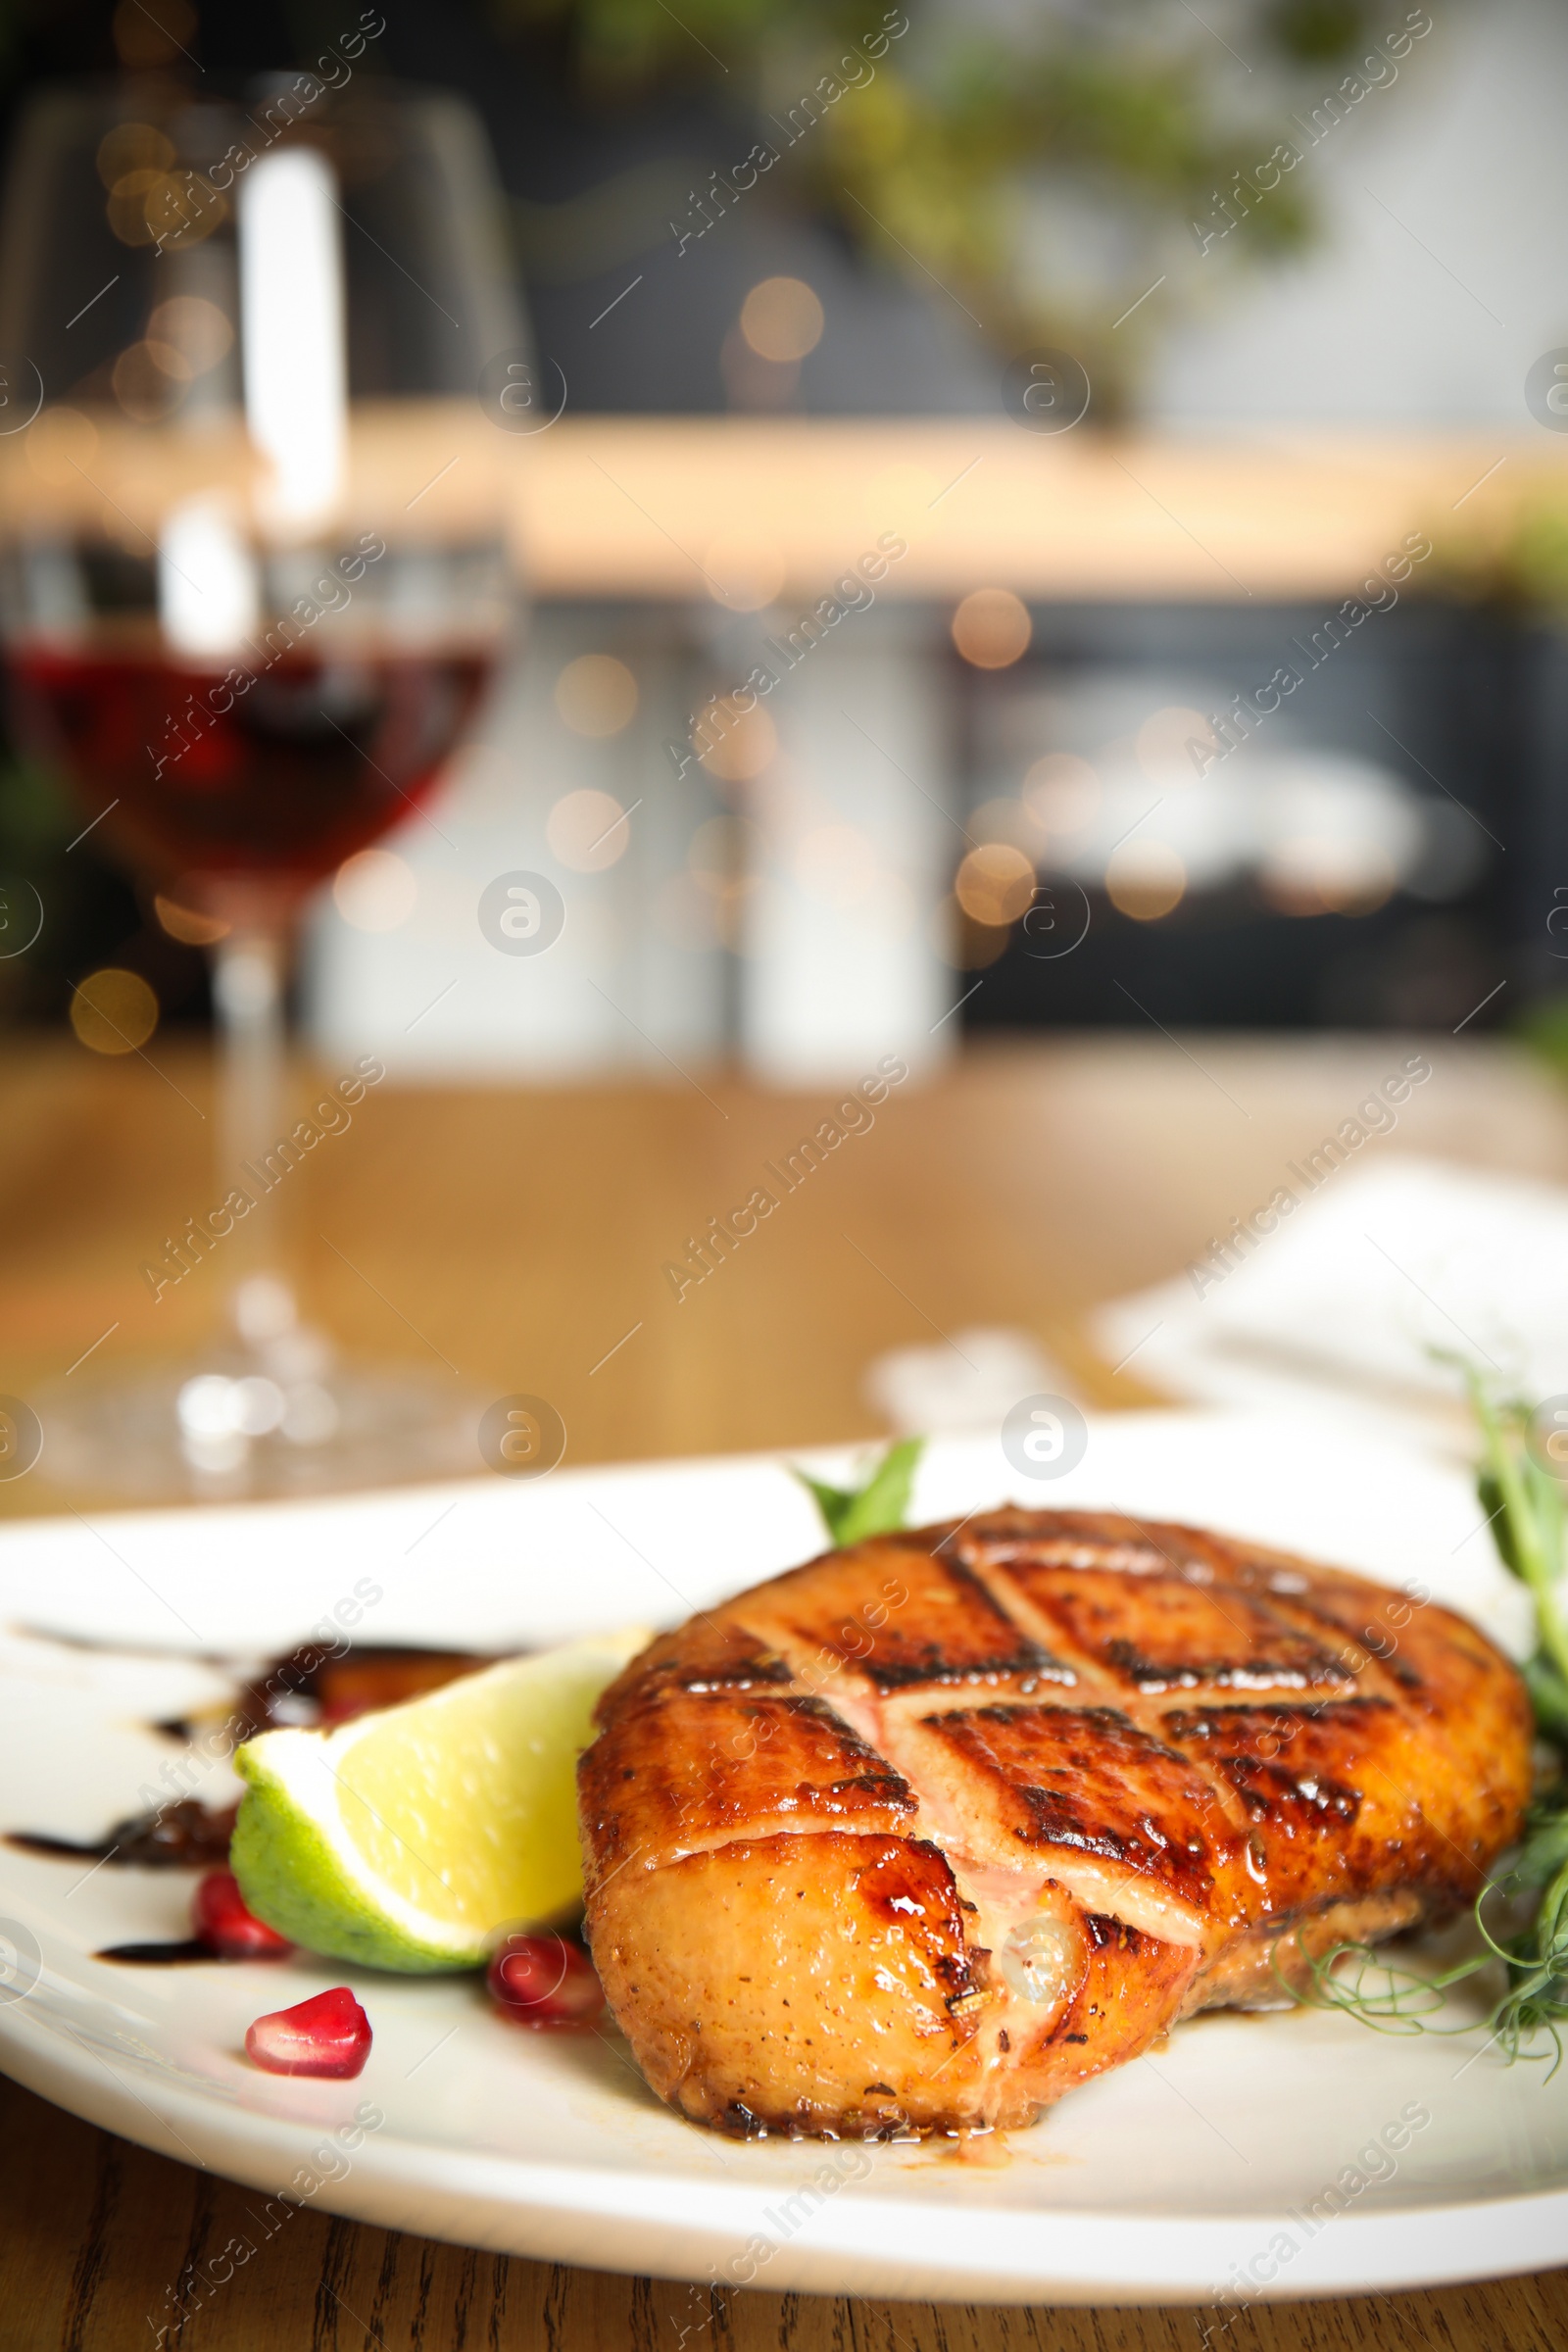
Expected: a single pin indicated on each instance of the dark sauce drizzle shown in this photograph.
(310, 1687)
(159, 1955)
(184, 1836)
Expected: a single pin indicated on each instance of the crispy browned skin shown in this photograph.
(921, 1835)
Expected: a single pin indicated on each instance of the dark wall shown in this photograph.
(1470, 711)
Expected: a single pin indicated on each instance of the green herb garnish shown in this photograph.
(1524, 1506)
(851, 1513)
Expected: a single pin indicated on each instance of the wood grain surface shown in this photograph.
(97, 2237)
(520, 1234)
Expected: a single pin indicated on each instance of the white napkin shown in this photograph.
(1354, 1305)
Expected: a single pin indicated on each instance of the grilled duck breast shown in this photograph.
(923, 1834)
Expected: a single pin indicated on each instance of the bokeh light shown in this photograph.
(782, 319)
(128, 206)
(1163, 744)
(1144, 879)
(149, 380)
(149, 206)
(995, 883)
(1324, 874)
(195, 328)
(596, 695)
(991, 627)
(740, 744)
(132, 147)
(114, 1011)
(588, 831)
(375, 890)
(1062, 793)
(189, 924)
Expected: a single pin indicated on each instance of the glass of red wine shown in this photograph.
(253, 582)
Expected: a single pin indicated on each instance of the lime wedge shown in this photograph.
(407, 1838)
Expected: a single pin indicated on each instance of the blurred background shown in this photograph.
(1288, 369)
(1028, 522)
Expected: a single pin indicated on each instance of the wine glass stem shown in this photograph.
(248, 972)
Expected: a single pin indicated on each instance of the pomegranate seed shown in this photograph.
(544, 1981)
(328, 2035)
(222, 1921)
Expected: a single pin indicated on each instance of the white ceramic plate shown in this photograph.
(1249, 2154)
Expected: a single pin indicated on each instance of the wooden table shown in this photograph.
(521, 1235)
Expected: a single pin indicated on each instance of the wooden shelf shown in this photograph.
(683, 506)
(630, 508)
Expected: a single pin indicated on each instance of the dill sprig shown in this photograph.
(1375, 1991)
(1524, 1506)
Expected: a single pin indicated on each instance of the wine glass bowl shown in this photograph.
(265, 776)
(253, 581)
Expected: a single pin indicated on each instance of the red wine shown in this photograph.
(285, 779)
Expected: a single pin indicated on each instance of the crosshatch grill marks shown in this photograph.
(1328, 1794)
(1059, 1719)
(695, 1768)
(1283, 1761)
(996, 1614)
(1261, 1616)
(1064, 1788)
(1057, 1539)
(895, 1616)
(1155, 1634)
(1145, 1611)
(1079, 1584)
(711, 1653)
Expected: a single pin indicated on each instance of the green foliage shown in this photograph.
(1317, 31)
(1543, 1026)
(1490, 1496)
(878, 1505)
(1524, 1504)
(1131, 108)
(1354, 1979)
(1545, 1029)
(1548, 1695)
(35, 819)
(37, 824)
(1515, 560)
